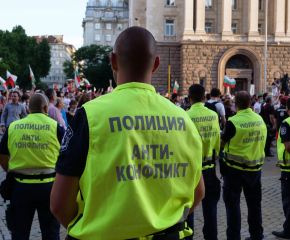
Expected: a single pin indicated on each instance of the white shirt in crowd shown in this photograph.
(66, 101)
(219, 107)
(257, 107)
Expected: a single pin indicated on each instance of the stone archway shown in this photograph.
(252, 55)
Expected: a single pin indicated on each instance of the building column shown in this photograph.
(227, 17)
(200, 17)
(288, 18)
(188, 19)
(253, 17)
(279, 18)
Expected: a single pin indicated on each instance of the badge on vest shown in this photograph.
(282, 114)
(66, 139)
(283, 130)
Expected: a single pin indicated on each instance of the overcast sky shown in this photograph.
(45, 17)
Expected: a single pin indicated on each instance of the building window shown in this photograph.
(109, 14)
(52, 70)
(119, 26)
(57, 71)
(97, 26)
(60, 55)
(170, 2)
(57, 62)
(208, 4)
(234, 5)
(169, 28)
(61, 71)
(260, 5)
(234, 28)
(108, 38)
(98, 14)
(57, 55)
(108, 26)
(97, 37)
(52, 47)
(52, 63)
(208, 27)
(53, 55)
(109, 4)
(260, 28)
(201, 81)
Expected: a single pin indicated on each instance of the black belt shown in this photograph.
(34, 177)
(242, 165)
(208, 163)
(171, 233)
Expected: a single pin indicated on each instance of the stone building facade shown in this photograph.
(60, 52)
(104, 21)
(209, 39)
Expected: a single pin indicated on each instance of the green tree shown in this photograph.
(18, 51)
(93, 63)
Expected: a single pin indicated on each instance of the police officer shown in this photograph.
(244, 140)
(281, 114)
(283, 149)
(207, 124)
(33, 144)
(137, 170)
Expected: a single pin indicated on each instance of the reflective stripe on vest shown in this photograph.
(185, 215)
(32, 171)
(206, 159)
(244, 161)
(286, 161)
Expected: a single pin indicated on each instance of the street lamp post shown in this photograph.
(265, 47)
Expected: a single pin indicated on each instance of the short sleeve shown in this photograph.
(60, 132)
(4, 144)
(74, 147)
(229, 133)
(285, 132)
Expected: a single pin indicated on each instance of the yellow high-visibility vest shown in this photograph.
(33, 146)
(142, 168)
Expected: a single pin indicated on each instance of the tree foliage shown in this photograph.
(93, 63)
(17, 51)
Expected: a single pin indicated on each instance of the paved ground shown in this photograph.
(272, 209)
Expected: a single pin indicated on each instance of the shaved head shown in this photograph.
(136, 52)
(38, 102)
(243, 100)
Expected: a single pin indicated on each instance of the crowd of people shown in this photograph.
(131, 165)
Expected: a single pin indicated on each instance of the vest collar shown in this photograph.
(197, 105)
(248, 110)
(135, 85)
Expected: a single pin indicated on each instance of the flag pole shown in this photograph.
(169, 73)
(265, 47)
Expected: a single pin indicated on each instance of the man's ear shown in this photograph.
(156, 64)
(113, 61)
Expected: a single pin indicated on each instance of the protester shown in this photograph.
(257, 106)
(228, 108)
(267, 113)
(12, 111)
(66, 101)
(84, 99)
(71, 110)
(54, 113)
(275, 86)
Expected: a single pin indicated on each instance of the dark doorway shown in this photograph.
(241, 85)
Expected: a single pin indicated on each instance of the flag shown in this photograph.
(11, 79)
(77, 78)
(32, 76)
(70, 80)
(176, 87)
(229, 82)
(16, 88)
(87, 83)
(2, 81)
